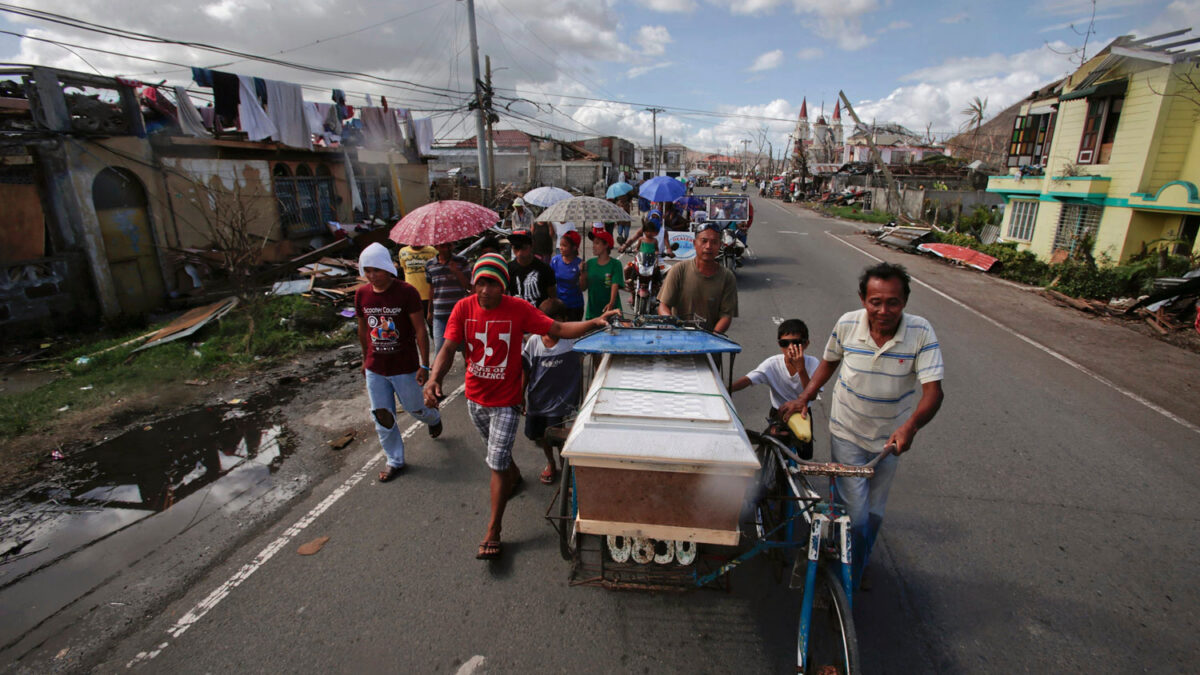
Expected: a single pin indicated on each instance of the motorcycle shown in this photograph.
(643, 277)
(732, 248)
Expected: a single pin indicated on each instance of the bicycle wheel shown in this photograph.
(567, 544)
(832, 643)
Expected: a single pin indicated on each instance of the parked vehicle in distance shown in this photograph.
(722, 182)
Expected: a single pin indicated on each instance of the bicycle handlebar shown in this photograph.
(825, 468)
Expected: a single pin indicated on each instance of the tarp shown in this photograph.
(962, 254)
(656, 340)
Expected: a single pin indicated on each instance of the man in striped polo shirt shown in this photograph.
(877, 401)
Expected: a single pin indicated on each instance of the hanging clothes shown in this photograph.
(202, 77)
(339, 97)
(209, 115)
(253, 118)
(369, 103)
(260, 90)
(287, 114)
(323, 122)
(380, 130)
(355, 198)
(423, 128)
(383, 102)
(190, 121)
(226, 97)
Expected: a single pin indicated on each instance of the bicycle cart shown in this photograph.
(664, 488)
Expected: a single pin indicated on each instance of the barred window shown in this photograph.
(1020, 223)
(1077, 223)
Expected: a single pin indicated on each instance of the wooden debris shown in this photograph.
(313, 546)
(343, 440)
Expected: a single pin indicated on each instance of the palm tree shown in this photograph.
(974, 113)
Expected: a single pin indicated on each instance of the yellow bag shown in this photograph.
(801, 427)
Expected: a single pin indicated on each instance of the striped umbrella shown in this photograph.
(442, 222)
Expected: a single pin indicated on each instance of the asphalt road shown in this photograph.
(1042, 523)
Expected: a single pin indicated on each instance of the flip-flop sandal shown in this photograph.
(547, 476)
(390, 473)
(488, 550)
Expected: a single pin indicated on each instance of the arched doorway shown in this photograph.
(120, 202)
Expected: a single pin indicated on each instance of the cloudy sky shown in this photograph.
(724, 70)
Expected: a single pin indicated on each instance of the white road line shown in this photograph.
(472, 665)
(1061, 357)
(788, 232)
(207, 604)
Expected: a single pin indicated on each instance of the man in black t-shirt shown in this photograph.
(529, 278)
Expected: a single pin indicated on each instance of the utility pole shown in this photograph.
(745, 156)
(485, 177)
(893, 193)
(654, 135)
(491, 146)
(770, 159)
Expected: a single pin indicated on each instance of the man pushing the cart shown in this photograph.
(875, 408)
(492, 325)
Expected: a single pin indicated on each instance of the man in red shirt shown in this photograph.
(492, 324)
(391, 330)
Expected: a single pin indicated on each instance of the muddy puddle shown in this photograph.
(107, 506)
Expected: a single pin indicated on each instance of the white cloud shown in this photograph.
(670, 5)
(810, 54)
(638, 71)
(225, 10)
(954, 18)
(938, 93)
(653, 40)
(1082, 7)
(1081, 23)
(895, 25)
(1178, 14)
(839, 21)
(768, 61)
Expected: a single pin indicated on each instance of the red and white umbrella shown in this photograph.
(443, 222)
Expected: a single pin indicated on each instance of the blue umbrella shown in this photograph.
(662, 189)
(618, 190)
(689, 203)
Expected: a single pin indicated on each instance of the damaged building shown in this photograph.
(116, 193)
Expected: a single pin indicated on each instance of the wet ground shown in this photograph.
(97, 512)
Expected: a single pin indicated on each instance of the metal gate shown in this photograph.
(1076, 222)
(305, 204)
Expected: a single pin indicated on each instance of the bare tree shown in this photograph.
(1079, 54)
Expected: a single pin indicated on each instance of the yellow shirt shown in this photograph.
(413, 261)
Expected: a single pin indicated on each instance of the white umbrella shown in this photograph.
(546, 196)
(584, 210)
(697, 172)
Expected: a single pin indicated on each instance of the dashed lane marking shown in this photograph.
(207, 604)
(1061, 357)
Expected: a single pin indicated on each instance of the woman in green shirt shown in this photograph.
(601, 276)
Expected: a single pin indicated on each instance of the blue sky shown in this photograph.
(917, 63)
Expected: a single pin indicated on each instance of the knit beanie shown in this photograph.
(490, 265)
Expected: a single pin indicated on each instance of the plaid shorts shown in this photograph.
(498, 426)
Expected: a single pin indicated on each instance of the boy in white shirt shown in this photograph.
(785, 374)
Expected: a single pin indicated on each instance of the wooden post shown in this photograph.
(893, 193)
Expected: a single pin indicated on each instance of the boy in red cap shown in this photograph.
(492, 325)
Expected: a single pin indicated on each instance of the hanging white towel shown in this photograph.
(355, 198)
(423, 128)
(285, 107)
(190, 120)
(254, 119)
(314, 119)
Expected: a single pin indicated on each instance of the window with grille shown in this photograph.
(1076, 223)
(1020, 223)
(305, 204)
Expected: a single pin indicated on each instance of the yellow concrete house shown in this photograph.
(1119, 141)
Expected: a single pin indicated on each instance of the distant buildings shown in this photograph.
(824, 147)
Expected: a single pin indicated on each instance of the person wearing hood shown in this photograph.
(522, 217)
(395, 345)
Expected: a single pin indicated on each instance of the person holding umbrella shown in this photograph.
(491, 326)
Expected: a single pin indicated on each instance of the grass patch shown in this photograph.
(283, 327)
(855, 213)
